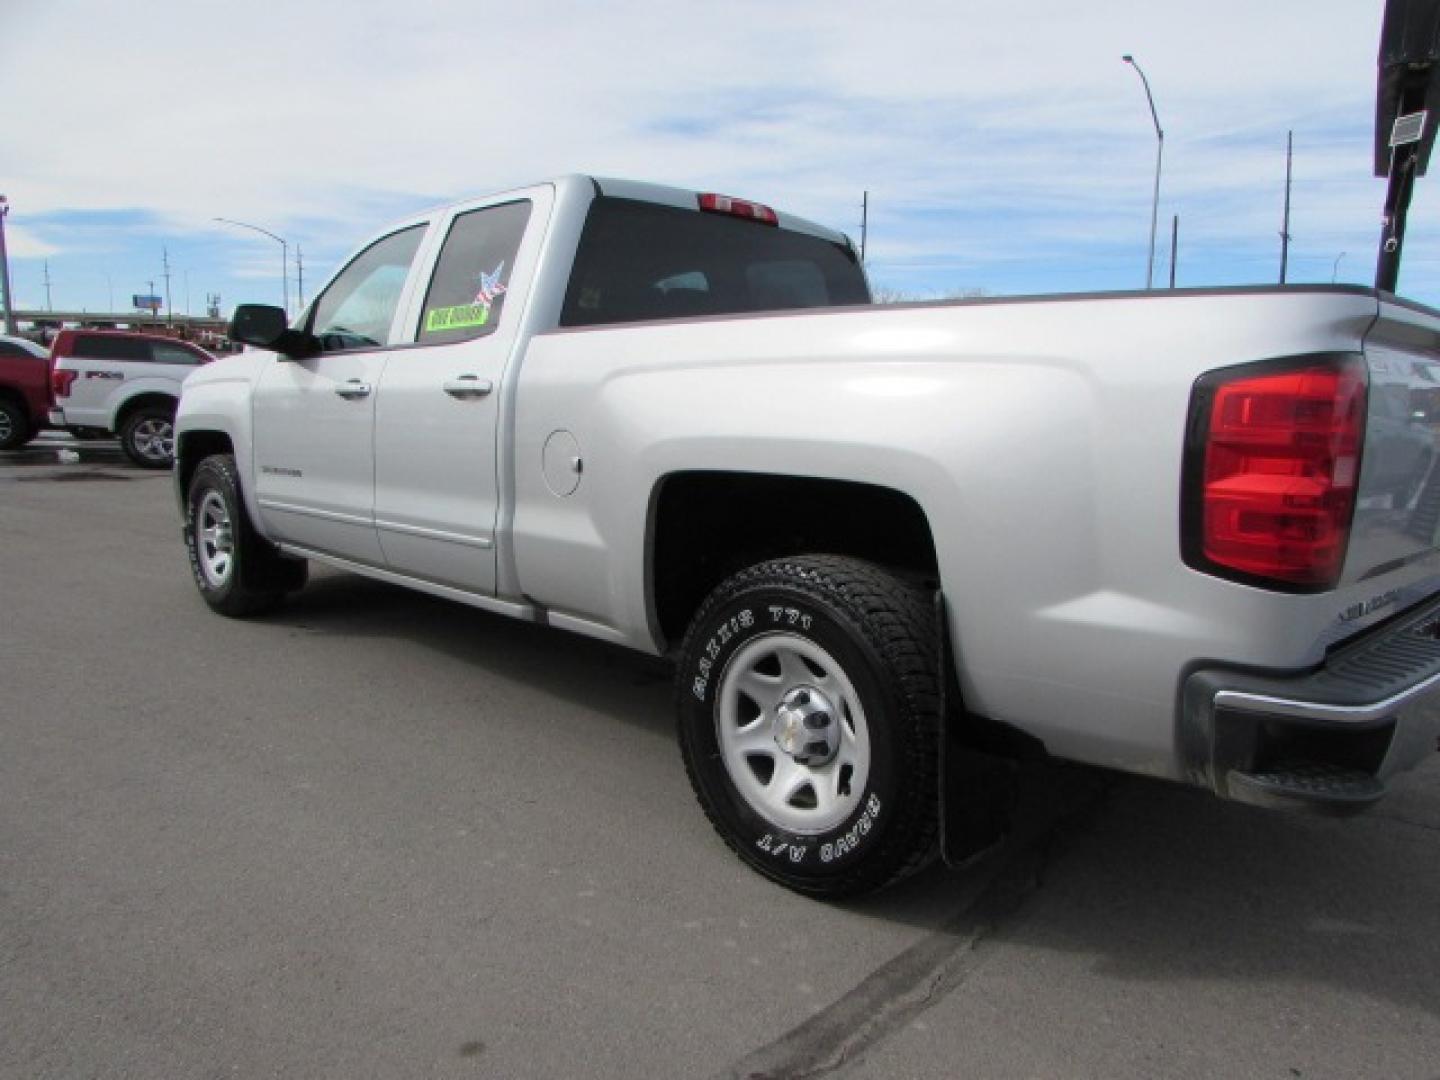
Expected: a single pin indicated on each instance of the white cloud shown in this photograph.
(321, 116)
(22, 243)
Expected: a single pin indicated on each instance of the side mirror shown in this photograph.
(258, 324)
(266, 327)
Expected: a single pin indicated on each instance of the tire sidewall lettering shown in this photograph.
(741, 620)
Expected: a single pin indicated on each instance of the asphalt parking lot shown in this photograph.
(376, 834)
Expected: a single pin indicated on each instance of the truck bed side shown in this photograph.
(1042, 441)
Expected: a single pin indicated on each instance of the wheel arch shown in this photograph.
(16, 397)
(703, 525)
(193, 447)
(145, 398)
(30, 424)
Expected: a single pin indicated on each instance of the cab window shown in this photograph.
(175, 354)
(99, 347)
(472, 276)
(639, 261)
(356, 311)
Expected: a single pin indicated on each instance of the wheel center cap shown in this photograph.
(806, 726)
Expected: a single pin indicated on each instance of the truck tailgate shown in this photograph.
(1397, 514)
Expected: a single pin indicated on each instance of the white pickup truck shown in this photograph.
(1189, 534)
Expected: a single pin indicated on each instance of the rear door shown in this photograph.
(314, 419)
(439, 404)
(102, 364)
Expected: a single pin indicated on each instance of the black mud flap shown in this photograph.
(978, 790)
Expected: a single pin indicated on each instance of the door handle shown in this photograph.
(353, 389)
(467, 386)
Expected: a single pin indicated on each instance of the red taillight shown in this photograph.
(61, 381)
(724, 204)
(1273, 474)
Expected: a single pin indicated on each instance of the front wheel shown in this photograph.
(236, 570)
(14, 425)
(809, 711)
(148, 436)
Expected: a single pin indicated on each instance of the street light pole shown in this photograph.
(284, 258)
(1335, 270)
(5, 268)
(1159, 155)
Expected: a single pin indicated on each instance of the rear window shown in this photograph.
(472, 277)
(166, 353)
(98, 347)
(640, 261)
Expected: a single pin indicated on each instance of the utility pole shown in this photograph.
(48, 305)
(169, 307)
(5, 267)
(1285, 229)
(110, 289)
(300, 277)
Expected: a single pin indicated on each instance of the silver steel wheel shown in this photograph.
(154, 439)
(7, 427)
(792, 733)
(214, 540)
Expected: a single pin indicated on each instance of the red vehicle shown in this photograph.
(24, 391)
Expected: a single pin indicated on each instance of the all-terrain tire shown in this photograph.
(808, 706)
(237, 571)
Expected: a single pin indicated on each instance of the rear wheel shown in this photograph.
(14, 425)
(809, 706)
(148, 436)
(237, 571)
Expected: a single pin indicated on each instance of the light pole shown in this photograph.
(5, 268)
(1335, 270)
(284, 259)
(1159, 154)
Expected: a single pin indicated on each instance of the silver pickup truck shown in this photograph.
(1189, 534)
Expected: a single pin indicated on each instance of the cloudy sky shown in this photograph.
(1005, 146)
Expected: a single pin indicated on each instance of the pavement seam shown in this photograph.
(1427, 826)
(887, 1000)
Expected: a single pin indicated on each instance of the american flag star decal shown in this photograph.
(490, 286)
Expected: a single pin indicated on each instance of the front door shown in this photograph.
(314, 419)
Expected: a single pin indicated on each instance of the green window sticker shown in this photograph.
(456, 318)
